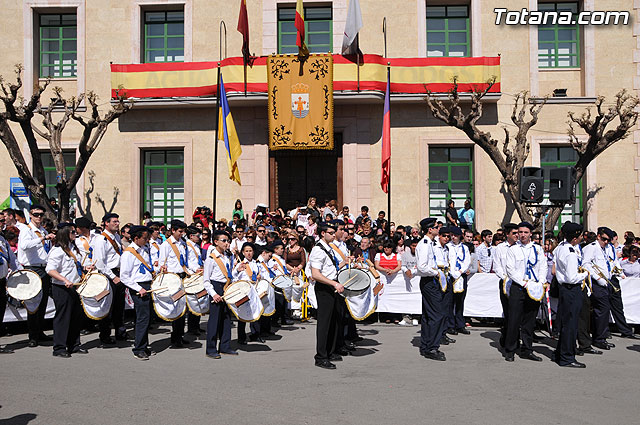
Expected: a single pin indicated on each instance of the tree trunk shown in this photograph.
(64, 195)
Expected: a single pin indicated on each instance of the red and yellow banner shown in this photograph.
(408, 75)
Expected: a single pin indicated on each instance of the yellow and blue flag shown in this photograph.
(227, 134)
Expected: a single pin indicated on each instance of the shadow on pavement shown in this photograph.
(494, 336)
(22, 419)
(634, 348)
(367, 342)
(96, 343)
(361, 352)
(363, 332)
(251, 347)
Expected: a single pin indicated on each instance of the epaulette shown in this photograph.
(571, 249)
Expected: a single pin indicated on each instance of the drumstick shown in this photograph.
(349, 280)
(154, 290)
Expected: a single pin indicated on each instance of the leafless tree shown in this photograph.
(510, 154)
(55, 117)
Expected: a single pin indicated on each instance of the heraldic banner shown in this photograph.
(300, 106)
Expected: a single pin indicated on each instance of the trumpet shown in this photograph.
(616, 270)
(587, 280)
(602, 276)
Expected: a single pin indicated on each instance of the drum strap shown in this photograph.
(87, 247)
(139, 257)
(195, 251)
(45, 244)
(331, 255)
(338, 250)
(284, 269)
(113, 243)
(77, 263)
(179, 256)
(223, 269)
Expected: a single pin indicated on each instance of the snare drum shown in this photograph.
(355, 281)
(243, 301)
(283, 284)
(535, 290)
(26, 287)
(169, 303)
(198, 300)
(95, 295)
(269, 300)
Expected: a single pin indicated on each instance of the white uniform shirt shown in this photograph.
(107, 258)
(212, 272)
(7, 258)
(132, 271)
(459, 259)
(84, 245)
(247, 274)
(500, 258)
(31, 250)
(342, 246)
(236, 244)
(323, 262)
(194, 253)
(517, 265)
(63, 264)
(277, 264)
(168, 256)
(441, 253)
(154, 245)
(567, 258)
(264, 267)
(593, 253)
(426, 262)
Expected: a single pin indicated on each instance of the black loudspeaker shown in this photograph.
(531, 184)
(562, 185)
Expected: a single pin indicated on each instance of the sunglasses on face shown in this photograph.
(223, 240)
(37, 214)
(260, 231)
(605, 239)
(293, 239)
(332, 233)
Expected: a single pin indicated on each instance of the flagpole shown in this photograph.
(358, 59)
(389, 186)
(215, 155)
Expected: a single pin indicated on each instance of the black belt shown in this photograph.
(116, 271)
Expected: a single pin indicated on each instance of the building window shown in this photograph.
(318, 27)
(58, 52)
(448, 31)
(163, 185)
(50, 173)
(164, 36)
(450, 177)
(559, 45)
(562, 156)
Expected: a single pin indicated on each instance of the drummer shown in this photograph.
(218, 272)
(173, 258)
(154, 243)
(34, 244)
(65, 267)
(267, 272)
(196, 265)
(83, 242)
(249, 270)
(107, 248)
(137, 275)
(279, 265)
(7, 263)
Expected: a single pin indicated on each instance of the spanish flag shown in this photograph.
(227, 134)
(303, 52)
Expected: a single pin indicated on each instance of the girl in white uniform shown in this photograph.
(248, 269)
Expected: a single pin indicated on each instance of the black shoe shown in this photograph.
(464, 331)
(452, 331)
(449, 340)
(343, 352)
(434, 355)
(630, 336)
(195, 332)
(357, 339)
(62, 354)
(501, 341)
(574, 364)
(588, 350)
(32, 343)
(178, 344)
(601, 345)
(350, 346)
(325, 364)
(107, 340)
(44, 338)
(537, 338)
(214, 356)
(335, 357)
(85, 332)
(531, 356)
(123, 336)
(509, 357)
(610, 345)
(141, 356)
(229, 353)
(242, 342)
(268, 333)
(287, 322)
(150, 352)
(5, 350)
(256, 338)
(443, 341)
(79, 351)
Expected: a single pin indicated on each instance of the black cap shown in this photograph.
(455, 230)
(276, 244)
(444, 230)
(526, 224)
(192, 230)
(109, 216)
(178, 224)
(337, 222)
(65, 224)
(136, 230)
(83, 222)
(571, 228)
(427, 223)
(606, 231)
(509, 227)
(267, 248)
(36, 207)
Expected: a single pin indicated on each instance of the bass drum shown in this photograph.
(26, 287)
(283, 284)
(267, 296)
(95, 295)
(243, 301)
(169, 301)
(198, 300)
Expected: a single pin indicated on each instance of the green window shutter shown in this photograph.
(163, 184)
(163, 36)
(58, 45)
(318, 30)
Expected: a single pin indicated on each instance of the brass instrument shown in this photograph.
(602, 276)
(587, 280)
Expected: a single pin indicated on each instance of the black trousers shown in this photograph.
(504, 301)
(177, 326)
(219, 324)
(457, 307)
(601, 309)
(434, 314)
(350, 330)
(522, 320)
(143, 306)
(329, 330)
(193, 322)
(3, 301)
(569, 307)
(35, 321)
(617, 311)
(265, 325)
(584, 321)
(116, 317)
(449, 321)
(67, 321)
(281, 308)
(254, 329)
